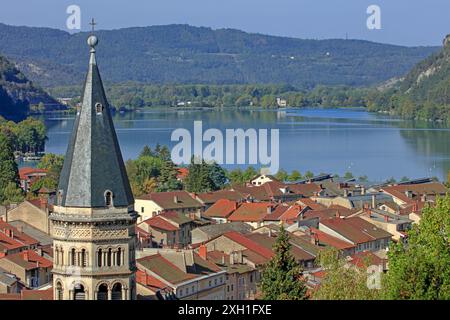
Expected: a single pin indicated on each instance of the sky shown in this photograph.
(403, 22)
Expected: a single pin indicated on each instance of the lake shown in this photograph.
(319, 140)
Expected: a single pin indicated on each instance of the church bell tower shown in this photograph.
(93, 222)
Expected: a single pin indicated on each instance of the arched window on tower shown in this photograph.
(108, 198)
(73, 254)
(59, 291)
(98, 108)
(83, 258)
(119, 257)
(99, 257)
(109, 257)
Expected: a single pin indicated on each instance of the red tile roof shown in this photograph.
(311, 203)
(166, 200)
(10, 296)
(25, 172)
(268, 243)
(182, 173)
(277, 212)
(6, 229)
(212, 197)
(365, 259)
(28, 260)
(149, 281)
(161, 224)
(221, 209)
(329, 240)
(356, 229)
(7, 243)
(416, 190)
(37, 294)
(249, 244)
(251, 212)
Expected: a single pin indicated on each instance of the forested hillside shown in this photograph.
(424, 93)
(184, 54)
(17, 93)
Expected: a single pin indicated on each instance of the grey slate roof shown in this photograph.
(93, 162)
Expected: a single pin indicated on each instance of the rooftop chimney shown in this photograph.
(374, 201)
(386, 218)
(269, 209)
(43, 202)
(25, 255)
(203, 252)
(175, 199)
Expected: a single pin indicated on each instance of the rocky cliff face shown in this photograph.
(18, 94)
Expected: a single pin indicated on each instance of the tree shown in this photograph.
(281, 278)
(198, 179)
(295, 176)
(12, 193)
(341, 281)
(309, 174)
(236, 176)
(168, 178)
(249, 174)
(420, 269)
(281, 175)
(218, 176)
(448, 179)
(348, 175)
(363, 178)
(146, 152)
(8, 169)
(53, 163)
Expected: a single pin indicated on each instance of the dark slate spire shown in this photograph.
(93, 165)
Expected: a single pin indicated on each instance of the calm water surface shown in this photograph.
(320, 140)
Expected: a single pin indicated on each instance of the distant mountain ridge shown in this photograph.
(17, 93)
(186, 54)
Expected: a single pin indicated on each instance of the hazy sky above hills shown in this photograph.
(405, 22)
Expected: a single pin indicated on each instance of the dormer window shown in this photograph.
(108, 198)
(98, 108)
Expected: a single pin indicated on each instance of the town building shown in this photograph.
(179, 274)
(169, 229)
(156, 203)
(357, 231)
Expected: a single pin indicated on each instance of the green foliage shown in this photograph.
(9, 176)
(363, 178)
(152, 171)
(17, 93)
(205, 177)
(186, 54)
(236, 176)
(281, 175)
(342, 282)
(423, 94)
(28, 135)
(167, 180)
(281, 278)
(218, 176)
(309, 174)
(348, 175)
(420, 269)
(12, 193)
(295, 176)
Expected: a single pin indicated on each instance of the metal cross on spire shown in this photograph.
(93, 24)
